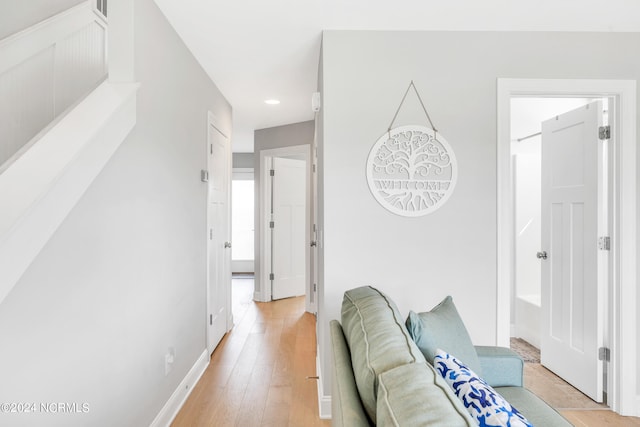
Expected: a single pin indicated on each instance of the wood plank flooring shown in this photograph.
(589, 418)
(259, 373)
(579, 409)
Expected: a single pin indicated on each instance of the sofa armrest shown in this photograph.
(346, 407)
(501, 366)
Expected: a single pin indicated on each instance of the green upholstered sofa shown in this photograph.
(381, 377)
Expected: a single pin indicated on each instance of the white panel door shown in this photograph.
(571, 313)
(218, 248)
(289, 244)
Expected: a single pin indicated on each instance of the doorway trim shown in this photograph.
(264, 284)
(622, 394)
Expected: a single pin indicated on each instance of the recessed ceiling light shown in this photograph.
(272, 101)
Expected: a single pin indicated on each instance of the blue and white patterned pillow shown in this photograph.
(484, 404)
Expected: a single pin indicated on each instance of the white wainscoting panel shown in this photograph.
(80, 63)
(26, 101)
(44, 70)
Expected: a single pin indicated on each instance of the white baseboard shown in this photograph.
(180, 395)
(324, 401)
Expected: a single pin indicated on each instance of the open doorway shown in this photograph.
(242, 227)
(242, 235)
(285, 223)
(527, 115)
(560, 177)
(620, 312)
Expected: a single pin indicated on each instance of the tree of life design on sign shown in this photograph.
(411, 170)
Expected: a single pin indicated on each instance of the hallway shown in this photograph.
(258, 375)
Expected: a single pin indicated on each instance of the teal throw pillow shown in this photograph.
(483, 403)
(443, 328)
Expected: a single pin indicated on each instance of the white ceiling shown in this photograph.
(260, 49)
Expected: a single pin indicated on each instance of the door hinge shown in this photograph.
(211, 148)
(204, 175)
(604, 354)
(271, 276)
(272, 224)
(272, 172)
(211, 319)
(314, 168)
(604, 132)
(315, 287)
(211, 234)
(604, 243)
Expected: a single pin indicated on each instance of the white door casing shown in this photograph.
(312, 298)
(263, 233)
(290, 225)
(622, 394)
(218, 233)
(572, 315)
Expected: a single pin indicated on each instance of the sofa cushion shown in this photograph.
(484, 404)
(501, 366)
(377, 338)
(415, 395)
(443, 328)
(346, 407)
(534, 408)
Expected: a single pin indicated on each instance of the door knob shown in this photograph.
(542, 255)
(227, 244)
(314, 244)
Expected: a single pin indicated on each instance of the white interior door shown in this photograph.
(219, 253)
(572, 180)
(289, 230)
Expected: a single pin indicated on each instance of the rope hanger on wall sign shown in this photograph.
(395, 116)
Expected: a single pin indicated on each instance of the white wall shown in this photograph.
(243, 160)
(123, 278)
(18, 15)
(452, 251)
(527, 164)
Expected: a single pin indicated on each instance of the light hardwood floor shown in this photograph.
(579, 409)
(260, 374)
